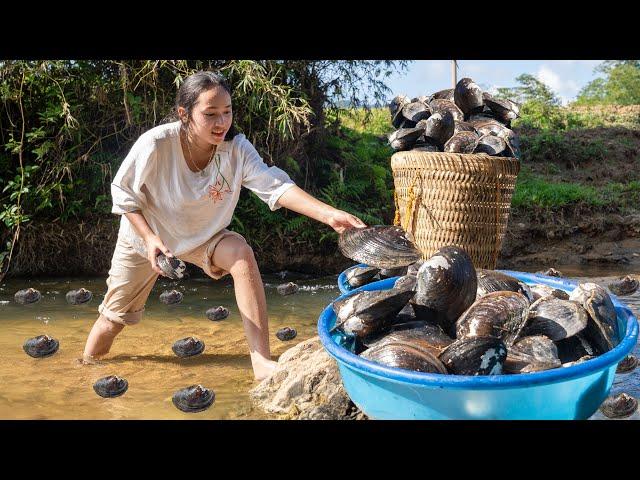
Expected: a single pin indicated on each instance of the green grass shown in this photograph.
(533, 191)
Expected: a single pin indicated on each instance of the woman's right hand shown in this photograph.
(155, 246)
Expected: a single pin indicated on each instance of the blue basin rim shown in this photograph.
(350, 360)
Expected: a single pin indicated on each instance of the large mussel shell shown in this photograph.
(538, 290)
(494, 281)
(111, 386)
(504, 110)
(602, 327)
(395, 108)
(475, 356)
(463, 127)
(532, 354)
(447, 285)
(491, 145)
(172, 267)
(438, 127)
(78, 297)
(406, 356)
(188, 347)
(467, 95)
(41, 346)
(624, 286)
(27, 296)
(512, 141)
(370, 312)
(381, 246)
(404, 138)
(447, 94)
(463, 142)
(619, 406)
(497, 314)
(406, 282)
(424, 334)
(416, 111)
(489, 127)
(556, 318)
(442, 106)
(574, 348)
(358, 276)
(171, 297)
(193, 399)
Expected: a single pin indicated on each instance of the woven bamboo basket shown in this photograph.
(455, 199)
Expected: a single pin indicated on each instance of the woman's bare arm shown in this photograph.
(301, 202)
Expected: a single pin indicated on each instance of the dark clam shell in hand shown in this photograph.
(217, 313)
(41, 346)
(193, 399)
(172, 267)
(27, 296)
(111, 386)
(188, 347)
(380, 246)
(78, 297)
(171, 297)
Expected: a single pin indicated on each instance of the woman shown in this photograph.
(176, 191)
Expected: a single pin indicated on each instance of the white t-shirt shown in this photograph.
(182, 207)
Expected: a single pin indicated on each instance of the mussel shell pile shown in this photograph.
(445, 316)
(463, 119)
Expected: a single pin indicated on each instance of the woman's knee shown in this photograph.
(109, 327)
(238, 253)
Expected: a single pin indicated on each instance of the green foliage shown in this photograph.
(532, 191)
(530, 90)
(620, 86)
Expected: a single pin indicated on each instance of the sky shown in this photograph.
(423, 77)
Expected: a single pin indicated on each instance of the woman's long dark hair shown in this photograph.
(194, 85)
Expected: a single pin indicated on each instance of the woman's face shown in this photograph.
(211, 117)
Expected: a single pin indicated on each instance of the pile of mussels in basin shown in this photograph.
(445, 316)
(459, 120)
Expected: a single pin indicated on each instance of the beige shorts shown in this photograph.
(131, 277)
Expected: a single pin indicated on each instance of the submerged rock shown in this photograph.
(306, 385)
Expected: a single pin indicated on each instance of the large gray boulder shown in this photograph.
(306, 385)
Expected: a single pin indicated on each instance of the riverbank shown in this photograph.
(576, 203)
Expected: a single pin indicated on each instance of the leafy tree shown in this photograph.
(620, 86)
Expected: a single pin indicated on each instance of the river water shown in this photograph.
(60, 387)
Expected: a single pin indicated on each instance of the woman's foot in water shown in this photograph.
(262, 367)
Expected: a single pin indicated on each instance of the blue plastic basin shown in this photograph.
(564, 393)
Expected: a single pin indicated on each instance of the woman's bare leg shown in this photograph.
(234, 255)
(101, 338)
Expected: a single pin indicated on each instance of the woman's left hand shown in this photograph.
(340, 220)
